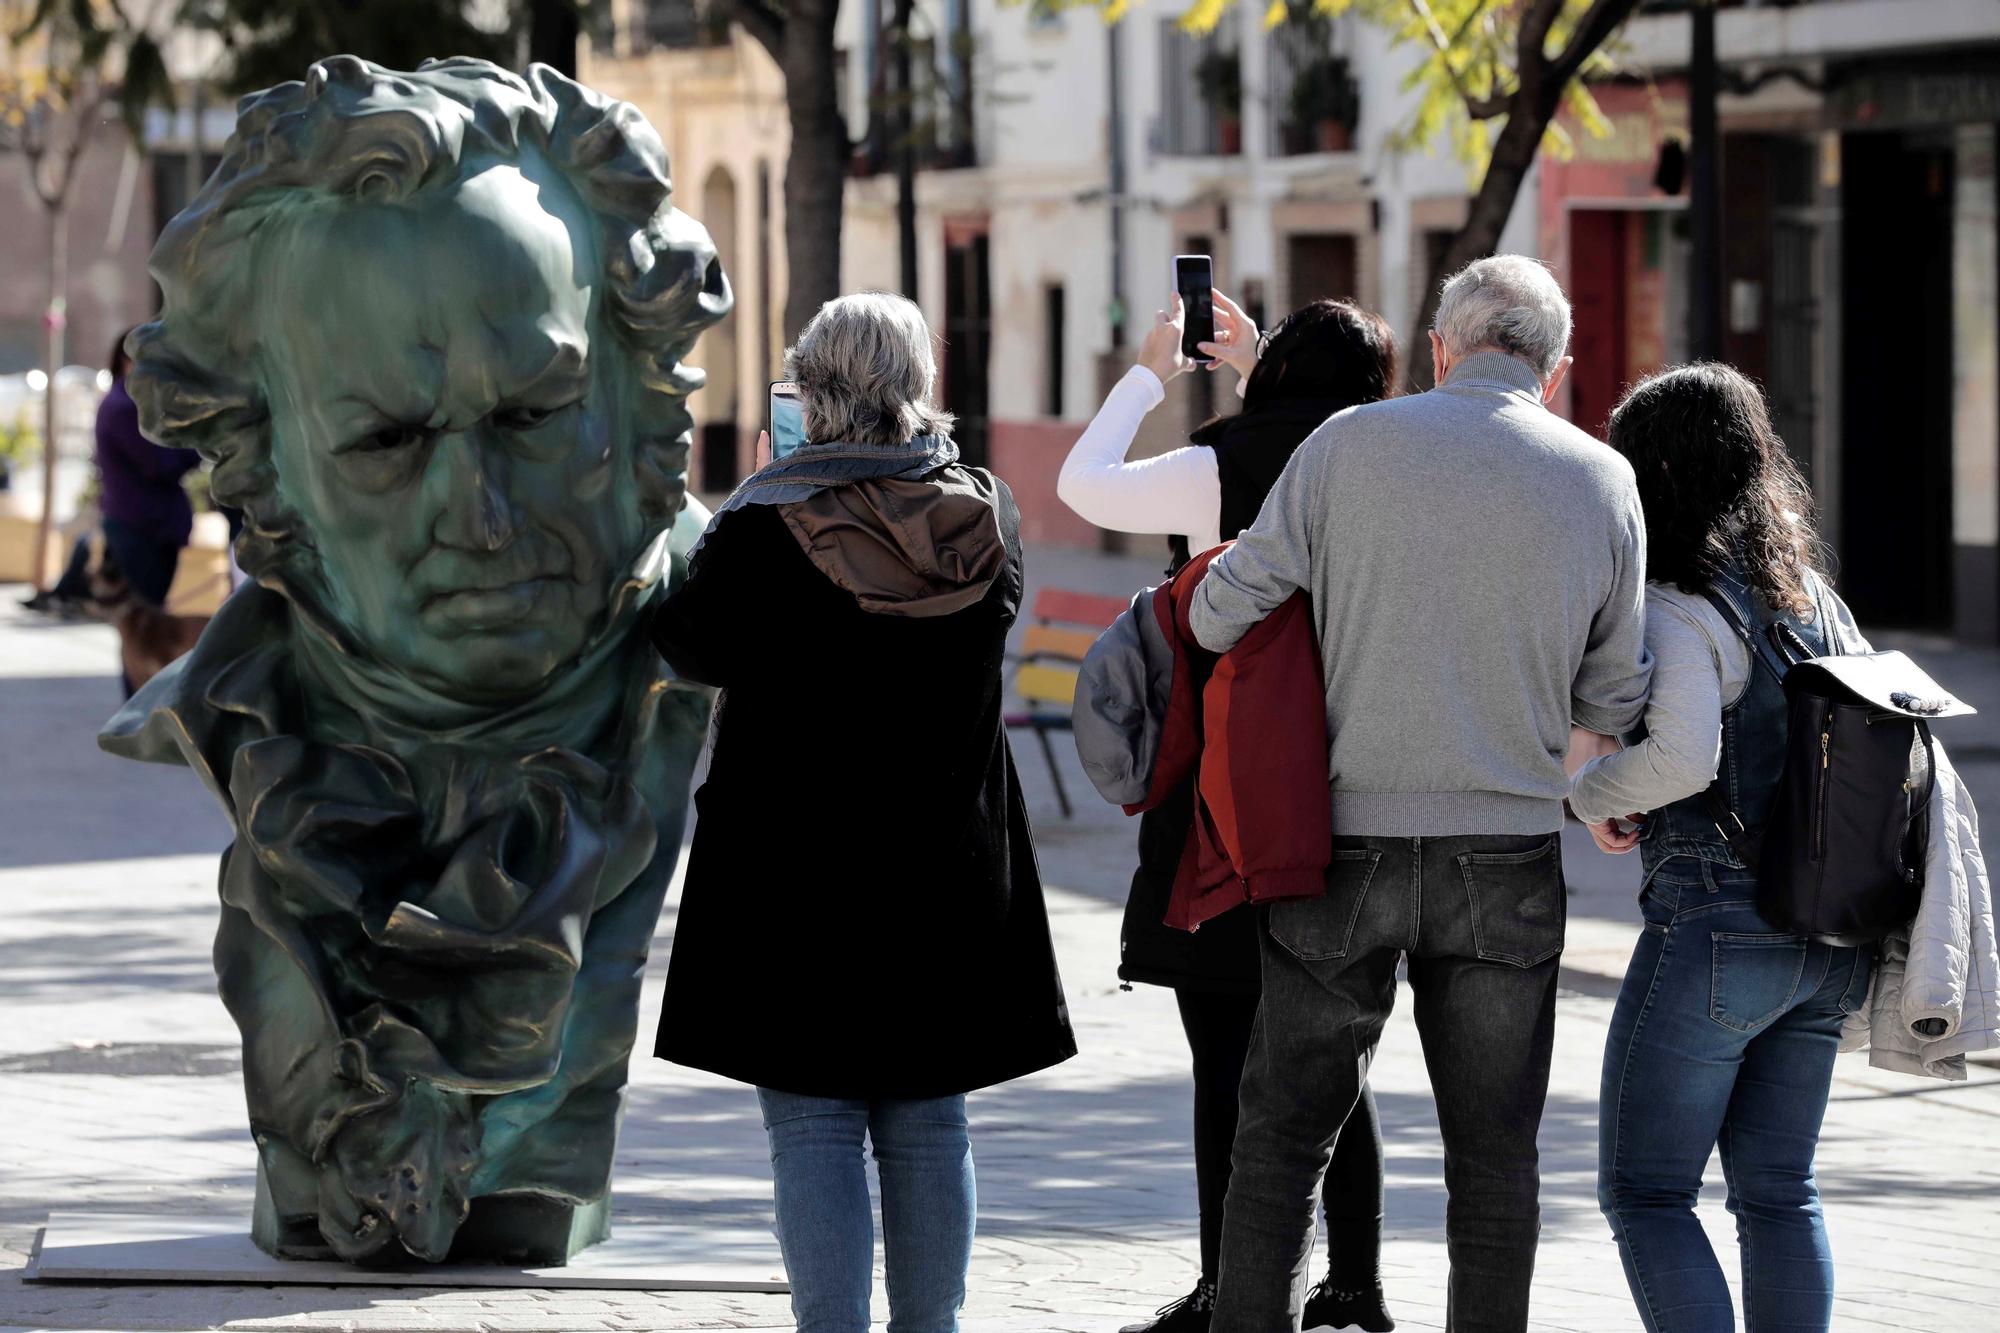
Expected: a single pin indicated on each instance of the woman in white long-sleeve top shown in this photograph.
(1325, 358)
(1725, 1030)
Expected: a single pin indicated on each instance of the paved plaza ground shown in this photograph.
(119, 1082)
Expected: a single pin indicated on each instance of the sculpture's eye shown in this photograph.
(390, 438)
(523, 418)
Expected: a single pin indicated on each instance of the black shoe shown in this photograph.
(1331, 1310)
(1189, 1314)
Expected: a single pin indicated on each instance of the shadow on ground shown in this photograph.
(83, 804)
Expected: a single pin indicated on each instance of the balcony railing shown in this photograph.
(1201, 93)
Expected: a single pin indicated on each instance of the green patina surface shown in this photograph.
(429, 328)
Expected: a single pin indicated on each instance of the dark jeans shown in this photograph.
(1218, 1026)
(1724, 1037)
(1481, 921)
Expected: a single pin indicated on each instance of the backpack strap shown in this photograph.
(1726, 820)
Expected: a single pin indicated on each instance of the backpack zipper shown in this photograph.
(1825, 771)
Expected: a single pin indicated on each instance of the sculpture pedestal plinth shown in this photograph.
(179, 1247)
(520, 1230)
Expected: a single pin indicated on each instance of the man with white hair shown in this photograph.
(1477, 567)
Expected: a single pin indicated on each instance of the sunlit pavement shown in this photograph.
(118, 1081)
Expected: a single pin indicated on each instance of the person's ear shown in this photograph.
(1556, 378)
(1440, 359)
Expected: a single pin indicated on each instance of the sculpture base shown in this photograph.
(177, 1247)
(519, 1230)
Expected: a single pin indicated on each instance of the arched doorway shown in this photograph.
(717, 402)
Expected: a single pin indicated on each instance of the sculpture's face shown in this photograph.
(450, 419)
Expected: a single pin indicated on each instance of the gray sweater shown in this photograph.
(1700, 668)
(1477, 573)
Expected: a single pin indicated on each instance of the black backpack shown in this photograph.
(1841, 858)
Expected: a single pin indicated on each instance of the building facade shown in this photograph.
(1859, 270)
(1064, 162)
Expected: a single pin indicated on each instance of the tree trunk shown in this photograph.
(1513, 154)
(54, 318)
(816, 169)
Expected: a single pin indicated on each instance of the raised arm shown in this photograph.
(1175, 492)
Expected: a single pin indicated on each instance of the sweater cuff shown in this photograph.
(1270, 886)
(1149, 384)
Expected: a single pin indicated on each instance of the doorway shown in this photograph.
(1896, 372)
(718, 403)
(1319, 266)
(968, 333)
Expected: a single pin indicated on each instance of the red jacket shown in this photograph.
(1252, 724)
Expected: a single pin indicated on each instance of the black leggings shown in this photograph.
(1218, 1033)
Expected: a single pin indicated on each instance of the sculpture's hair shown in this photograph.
(355, 131)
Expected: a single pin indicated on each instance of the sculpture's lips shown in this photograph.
(495, 607)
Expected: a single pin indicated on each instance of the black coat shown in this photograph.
(862, 915)
(1251, 451)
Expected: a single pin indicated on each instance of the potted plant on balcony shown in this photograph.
(1326, 104)
(1219, 80)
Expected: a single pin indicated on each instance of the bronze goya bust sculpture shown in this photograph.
(428, 327)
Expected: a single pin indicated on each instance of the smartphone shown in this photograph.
(788, 419)
(1194, 279)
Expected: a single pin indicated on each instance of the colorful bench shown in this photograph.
(1065, 624)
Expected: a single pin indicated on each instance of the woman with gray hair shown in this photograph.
(862, 933)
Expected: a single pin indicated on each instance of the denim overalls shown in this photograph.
(1724, 1037)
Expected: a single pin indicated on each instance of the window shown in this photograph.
(1053, 325)
(1201, 94)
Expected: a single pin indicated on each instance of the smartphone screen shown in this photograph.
(1194, 279)
(788, 420)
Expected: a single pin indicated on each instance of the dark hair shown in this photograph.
(1717, 484)
(120, 360)
(1333, 350)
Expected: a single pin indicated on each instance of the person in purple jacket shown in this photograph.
(147, 517)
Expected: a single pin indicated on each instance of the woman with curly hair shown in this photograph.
(1726, 1028)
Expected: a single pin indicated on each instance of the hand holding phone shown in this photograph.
(1160, 349)
(788, 420)
(1194, 282)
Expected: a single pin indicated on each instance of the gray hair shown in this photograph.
(1508, 302)
(865, 372)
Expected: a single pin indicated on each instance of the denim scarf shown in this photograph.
(819, 467)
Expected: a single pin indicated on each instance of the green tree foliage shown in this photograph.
(267, 42)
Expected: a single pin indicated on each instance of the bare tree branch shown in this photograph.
(1592, 31)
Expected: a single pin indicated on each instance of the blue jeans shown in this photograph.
(1723, 1037)
(923, 1154)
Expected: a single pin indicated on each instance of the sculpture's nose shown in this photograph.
(476, 514)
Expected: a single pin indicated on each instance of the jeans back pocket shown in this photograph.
(1753, 978)
(1315, 929)
(1517, 903)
